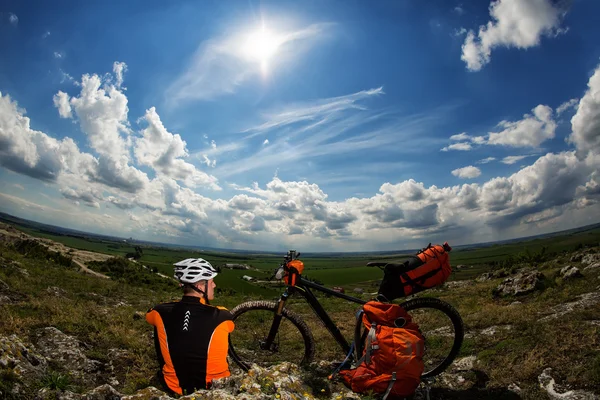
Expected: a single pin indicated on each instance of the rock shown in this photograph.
(122, 304)
(515, 303)
(139, 315)
(25, 362)
(514, 388)
(590, 259)
(583, 301)
(457, 284)
(153, 393)
(570, 272)
(55, 291)
(484, 277)
(522, 283)
(592, 266)
(492, 330)
(120, 361)
(460, 266)
(576, 257)
(464, 364)
(547, 383)
(67, 352)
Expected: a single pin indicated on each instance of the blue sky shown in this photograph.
(318, 125)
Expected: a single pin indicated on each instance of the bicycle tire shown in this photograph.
(457, 323)
(431, 303)
(307, 337)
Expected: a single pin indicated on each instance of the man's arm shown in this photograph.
(216, 366)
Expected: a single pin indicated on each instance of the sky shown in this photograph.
(320, 126)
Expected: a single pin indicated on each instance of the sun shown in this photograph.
(261, 46)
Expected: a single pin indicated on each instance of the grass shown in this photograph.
(100, 312)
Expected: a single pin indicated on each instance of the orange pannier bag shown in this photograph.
(293, 269)
(392, 361)
(429, 268)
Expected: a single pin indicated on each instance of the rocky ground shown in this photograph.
(41, 360)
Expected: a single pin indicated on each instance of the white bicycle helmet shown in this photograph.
(192, 270)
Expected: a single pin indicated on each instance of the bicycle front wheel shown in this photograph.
(443, 329)
(253, 320)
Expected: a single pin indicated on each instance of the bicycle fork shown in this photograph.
(269, 342)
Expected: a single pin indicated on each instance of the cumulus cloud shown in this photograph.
(468, 172)
(58, 54)
(25, 150)
(119, 68)
(530, 131)
(13, 19)
(61, 101)
(165, 153)
(585, 124)
(514, 23)
(102, 112)
(402, 214)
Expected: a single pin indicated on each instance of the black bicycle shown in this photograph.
(266, 332)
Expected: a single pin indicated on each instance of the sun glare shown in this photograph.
(261, 46)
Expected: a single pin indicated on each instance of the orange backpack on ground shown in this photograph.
(429, 268)
(392, 360)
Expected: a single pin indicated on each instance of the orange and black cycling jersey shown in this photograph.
(191, 340)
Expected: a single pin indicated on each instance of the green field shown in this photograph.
(336, 270)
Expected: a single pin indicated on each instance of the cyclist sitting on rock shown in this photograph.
(191, 336)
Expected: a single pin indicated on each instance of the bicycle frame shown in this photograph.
(303, 287)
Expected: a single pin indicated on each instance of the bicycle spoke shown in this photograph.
(251, 330)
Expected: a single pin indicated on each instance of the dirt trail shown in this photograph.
(80, 257)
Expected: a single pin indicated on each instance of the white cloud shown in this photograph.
(119, 68)
(566, 106)
(458, 146)
(557, 190)
(208, 161)
(164, 152)
(468, 172)
(530, 131)
(486, 160)
(221, 65)
(460, 136)
(213, 144)
(65, 77)
(459, 10)
(514, 23)
(326, 127)
(61, 101)
(460, 32)
(585, 124)
(266, 142)
(509, 160)
(478, 140)
(45, 34)
(102, 113)
(13, 19)
(58, 54)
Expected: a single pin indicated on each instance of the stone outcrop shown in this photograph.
(570, 272)
(522, 283)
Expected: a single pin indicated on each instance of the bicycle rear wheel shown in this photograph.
(253, 320)
(443, 329)
(441, 326)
